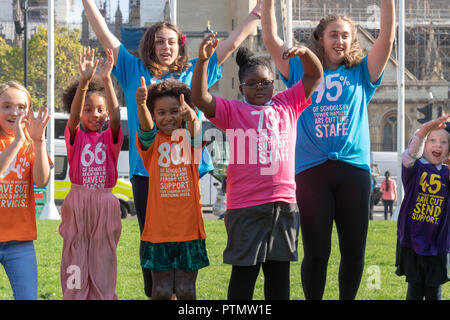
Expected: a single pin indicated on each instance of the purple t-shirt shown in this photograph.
(262, 146)
(423, 218)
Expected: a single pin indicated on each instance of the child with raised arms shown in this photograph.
(23, 163)
(262, 217)
(91, 222)
(423, 222)
(169, 140)
(332, 152)
(162, 55)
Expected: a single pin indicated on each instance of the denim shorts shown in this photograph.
(19, 260)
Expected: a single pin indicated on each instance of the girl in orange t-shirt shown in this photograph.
(174, 234)
(23, 161)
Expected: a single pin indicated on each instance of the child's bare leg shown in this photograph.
(185, 284)
(162, 288)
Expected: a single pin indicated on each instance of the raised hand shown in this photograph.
(438, 123)
(18, 127)
(435, 124)
(187, 114)
(36, 126)
(294, 52)
(87, 63)
(106, 65)
(208, 46)
(141, 94)
(258, 7)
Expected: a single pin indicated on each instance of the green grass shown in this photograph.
(212, 281)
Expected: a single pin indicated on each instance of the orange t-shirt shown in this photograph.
(174, 209)
(17, 206)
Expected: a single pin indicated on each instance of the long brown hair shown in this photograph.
(15, 85)
(355, 54)
(148, 55)
(387, 174)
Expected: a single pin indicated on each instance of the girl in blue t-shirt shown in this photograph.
(162, 55)
(332, 159)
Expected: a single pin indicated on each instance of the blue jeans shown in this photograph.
(19, 260)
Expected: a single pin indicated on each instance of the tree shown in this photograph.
(67, 47)
(11, 62)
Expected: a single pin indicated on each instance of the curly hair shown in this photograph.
(95, 86)
(246, 61)
(148, 55)
(168, 88)
(354, 55)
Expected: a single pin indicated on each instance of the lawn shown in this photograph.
(378, 283)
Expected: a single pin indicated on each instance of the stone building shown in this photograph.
(429, 69)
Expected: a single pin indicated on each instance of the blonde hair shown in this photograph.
(15, 85)
(354, 55)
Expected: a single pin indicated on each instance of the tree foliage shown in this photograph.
(67, 47)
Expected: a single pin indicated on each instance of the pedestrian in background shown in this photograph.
(389, 190)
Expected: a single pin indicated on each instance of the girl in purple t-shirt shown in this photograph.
(91, 224)
(422, 230)
(262, 217)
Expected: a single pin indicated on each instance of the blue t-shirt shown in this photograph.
(128, 72)
(335, 126)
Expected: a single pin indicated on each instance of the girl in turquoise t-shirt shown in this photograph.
(162, 54)
(333, 145)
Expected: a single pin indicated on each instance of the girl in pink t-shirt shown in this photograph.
(262, 218)
(389, 190)
(91, 224)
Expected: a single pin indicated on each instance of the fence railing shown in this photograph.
(371, 14)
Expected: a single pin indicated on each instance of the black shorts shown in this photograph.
(430, 270)
(259, 233)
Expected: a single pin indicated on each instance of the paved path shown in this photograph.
(378, 213)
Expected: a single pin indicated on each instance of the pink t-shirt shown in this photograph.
(262, 147)
(93, 158)
(391, 194)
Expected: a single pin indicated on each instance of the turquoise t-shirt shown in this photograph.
(335, 126)
(128, 72)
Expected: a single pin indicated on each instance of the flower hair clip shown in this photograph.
(183, 40)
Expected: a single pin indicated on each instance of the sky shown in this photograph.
(78, 8)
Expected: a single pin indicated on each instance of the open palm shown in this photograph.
(208, 46)
(36, 125)
(87, 63)
(106, 65)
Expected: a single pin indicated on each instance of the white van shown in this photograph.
(386, 161)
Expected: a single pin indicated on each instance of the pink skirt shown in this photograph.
(90, 227)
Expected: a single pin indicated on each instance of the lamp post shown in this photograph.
(19, 30)
(50, 211)
(207, 32)
(24, 6)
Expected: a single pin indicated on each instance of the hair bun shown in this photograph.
(447, 126)
(243, 56)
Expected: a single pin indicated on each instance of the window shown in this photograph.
(60, 167)
(390, 133)
(60, 127)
